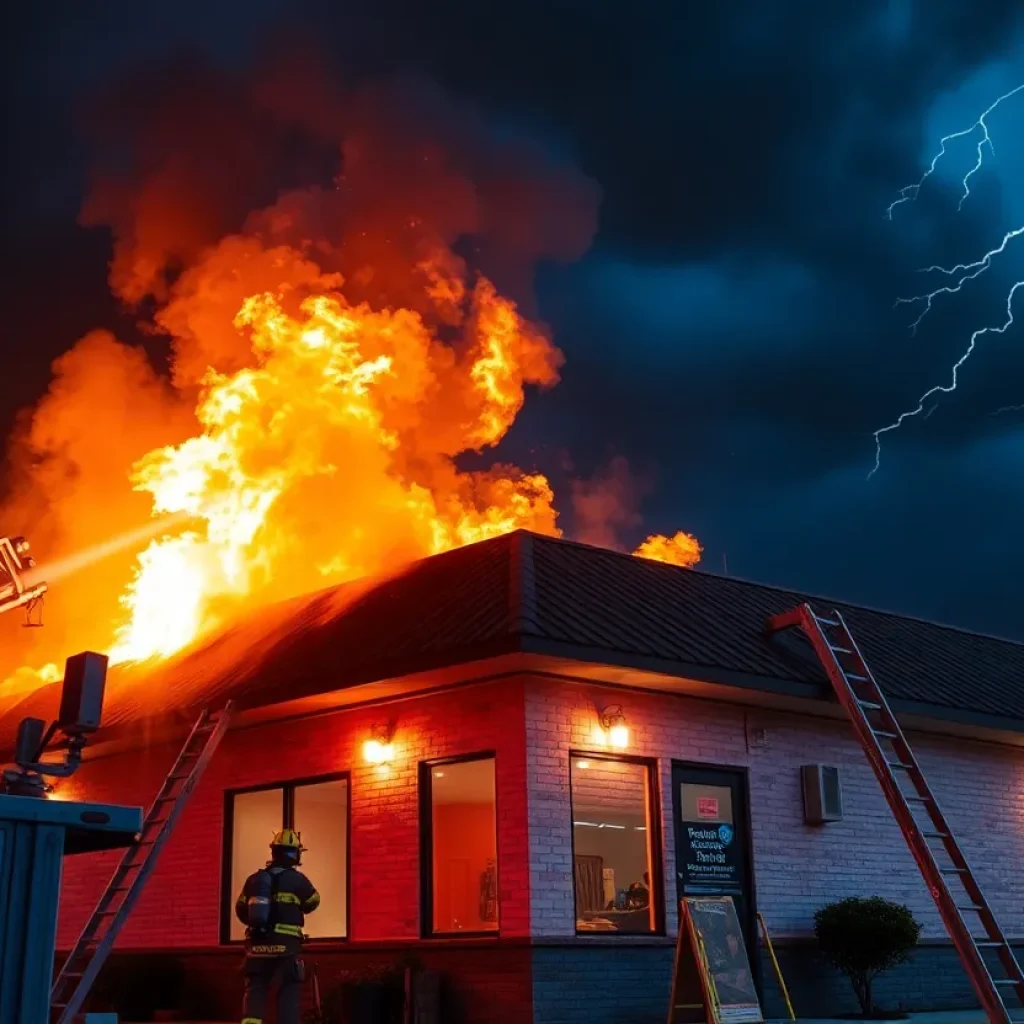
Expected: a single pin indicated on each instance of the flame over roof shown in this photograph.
(526, 593)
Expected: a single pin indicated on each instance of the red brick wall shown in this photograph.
(180, 906)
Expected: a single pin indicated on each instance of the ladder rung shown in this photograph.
(822, 621)
(1007, 981)
(839, 650)
(900, 764)
(914, 798)
(869, 705)
(857, 679)
(886, 735)
(935, 835)
(985, 944)
(103, 926)
(953, 871)
(971, 906)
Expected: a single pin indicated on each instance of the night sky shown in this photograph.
(731, 332)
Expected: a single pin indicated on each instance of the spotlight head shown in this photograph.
(81, 699)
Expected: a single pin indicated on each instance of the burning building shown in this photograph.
(495, 742)
(487, 753)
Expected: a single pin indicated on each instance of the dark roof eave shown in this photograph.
(762, 684)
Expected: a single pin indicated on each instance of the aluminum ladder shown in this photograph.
(875, 724)
(97, 939)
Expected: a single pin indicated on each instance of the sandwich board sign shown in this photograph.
(712, 982)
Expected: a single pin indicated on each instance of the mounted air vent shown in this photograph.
(823, 794)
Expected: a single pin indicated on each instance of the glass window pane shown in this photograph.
(465, 847)
(611, 843)
(321, 818)
(255, 818)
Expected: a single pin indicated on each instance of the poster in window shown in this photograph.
(707, 808)
(711, 858)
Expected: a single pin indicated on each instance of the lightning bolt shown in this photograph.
(945, 388)
(967, 271)
(961, 274)
(909, 193)
(1007, 408)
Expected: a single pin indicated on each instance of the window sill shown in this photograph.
(605, 939)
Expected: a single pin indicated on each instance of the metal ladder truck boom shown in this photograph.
(15, 561)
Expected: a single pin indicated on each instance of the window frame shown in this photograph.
(426, 792)
(287, 787)
(655, 848)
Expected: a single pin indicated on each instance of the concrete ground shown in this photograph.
(937, 1017)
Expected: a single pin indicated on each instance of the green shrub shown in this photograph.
(863, 937)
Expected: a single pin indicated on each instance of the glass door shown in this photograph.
(713, 842)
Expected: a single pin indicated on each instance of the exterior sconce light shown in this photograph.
(380, 748)
(613, 721)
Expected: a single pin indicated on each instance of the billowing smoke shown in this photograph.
(606, 506)
(340, 279)
(390, 198)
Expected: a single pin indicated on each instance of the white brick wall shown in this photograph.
(797, 867)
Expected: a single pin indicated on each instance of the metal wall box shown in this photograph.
(823, 793)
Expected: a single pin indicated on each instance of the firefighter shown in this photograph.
(273, 905)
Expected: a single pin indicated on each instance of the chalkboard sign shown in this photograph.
(712, 981)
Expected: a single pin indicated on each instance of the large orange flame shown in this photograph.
(321, 414)
(329, 456)
(331, 360)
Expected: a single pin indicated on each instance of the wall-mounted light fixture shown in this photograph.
(613, 721)
(380, 748)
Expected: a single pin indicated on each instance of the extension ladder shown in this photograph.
(874, 723)
(97, 939)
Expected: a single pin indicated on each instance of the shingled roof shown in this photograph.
(532, 594)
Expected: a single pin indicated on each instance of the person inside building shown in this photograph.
(273, 905)
(638, 896)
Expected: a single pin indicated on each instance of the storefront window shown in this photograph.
(616, 886)
(461, 851)
(321, 817)
(318, 810)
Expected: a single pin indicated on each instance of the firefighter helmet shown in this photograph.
(287, 839)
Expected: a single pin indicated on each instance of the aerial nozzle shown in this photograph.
(21, 546)
(15, 590)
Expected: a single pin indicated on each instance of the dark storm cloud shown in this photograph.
(807, 153)
(733, 326)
